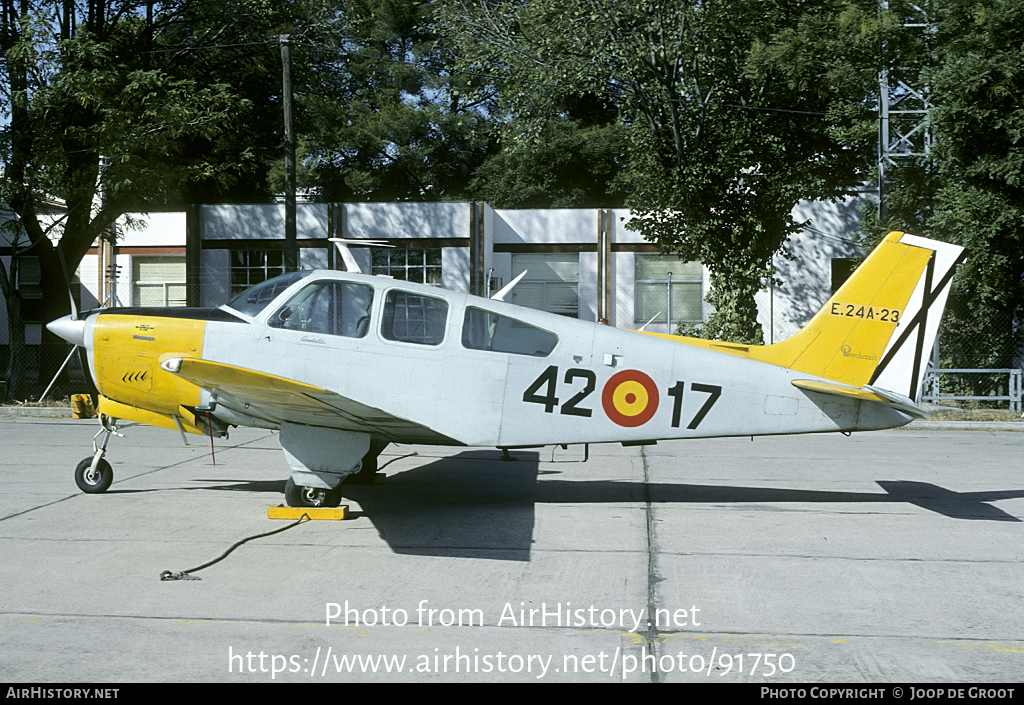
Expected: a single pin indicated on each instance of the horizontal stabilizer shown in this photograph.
(899, 402)
(867, 393)
(346, 255)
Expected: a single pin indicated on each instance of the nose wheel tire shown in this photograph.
(300, 496)
(93, 482)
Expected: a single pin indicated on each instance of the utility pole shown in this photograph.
(904, 128)
(904, 131)
(291, 244)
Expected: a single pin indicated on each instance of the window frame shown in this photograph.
(387, 318)
(517, 268)
(269, 271)
(400, 272)
(138, 283)
(664, 282)
(466, 327)
(308, 293)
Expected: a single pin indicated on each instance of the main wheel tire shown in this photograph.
(301, 496)
(100, 482)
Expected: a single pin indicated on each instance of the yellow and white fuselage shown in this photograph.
(340, 361)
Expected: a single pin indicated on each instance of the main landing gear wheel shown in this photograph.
(300, 496)
(93, 482)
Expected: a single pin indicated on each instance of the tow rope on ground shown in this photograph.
(186, 574)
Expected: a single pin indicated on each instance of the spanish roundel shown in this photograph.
(630, 398)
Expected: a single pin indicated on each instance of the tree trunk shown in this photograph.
(14, 377)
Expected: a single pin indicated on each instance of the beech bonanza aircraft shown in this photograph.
(342, 364)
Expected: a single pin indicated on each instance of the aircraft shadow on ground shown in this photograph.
(475, 505)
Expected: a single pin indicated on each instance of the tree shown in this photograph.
(970, 188)
(733, 114)
(381, 117)
(121, 84)
(576, 161)
(570, 166)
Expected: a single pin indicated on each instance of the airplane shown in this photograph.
(342, 364)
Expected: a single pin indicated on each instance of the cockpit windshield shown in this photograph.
(254, 299)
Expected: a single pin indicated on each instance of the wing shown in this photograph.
(279, 399)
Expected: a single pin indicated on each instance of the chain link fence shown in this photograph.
(980, 358)
(48, 367)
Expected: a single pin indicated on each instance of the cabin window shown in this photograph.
(484, 330)
(327, 308)
(413, 318)
(657, 294)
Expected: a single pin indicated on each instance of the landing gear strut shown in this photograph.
(94, 475)
(368, 468)
(296, 495)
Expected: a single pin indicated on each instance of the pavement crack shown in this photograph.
(651, 633)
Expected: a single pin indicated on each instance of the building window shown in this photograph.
(551, 283)
(158, 281)
(420, 265)
(30, 285)
(250, 267)
(842, 268)
(652, 299)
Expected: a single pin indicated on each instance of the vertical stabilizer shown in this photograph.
(877, 330)
(902, 366)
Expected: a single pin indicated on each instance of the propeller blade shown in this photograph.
(67, 282)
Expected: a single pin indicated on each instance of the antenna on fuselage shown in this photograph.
(650, 321)
(346, 254)
(500, 296)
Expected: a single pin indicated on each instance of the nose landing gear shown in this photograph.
(94, 474)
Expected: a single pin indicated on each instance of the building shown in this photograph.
(582, 263)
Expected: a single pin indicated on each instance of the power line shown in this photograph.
(185, 48)
(556, 86)
(481, 74)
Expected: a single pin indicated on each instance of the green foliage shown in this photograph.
(131, 90)
(381, 116)
(161, 93)
(569, 166)
(970, 189)
(733, 112)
